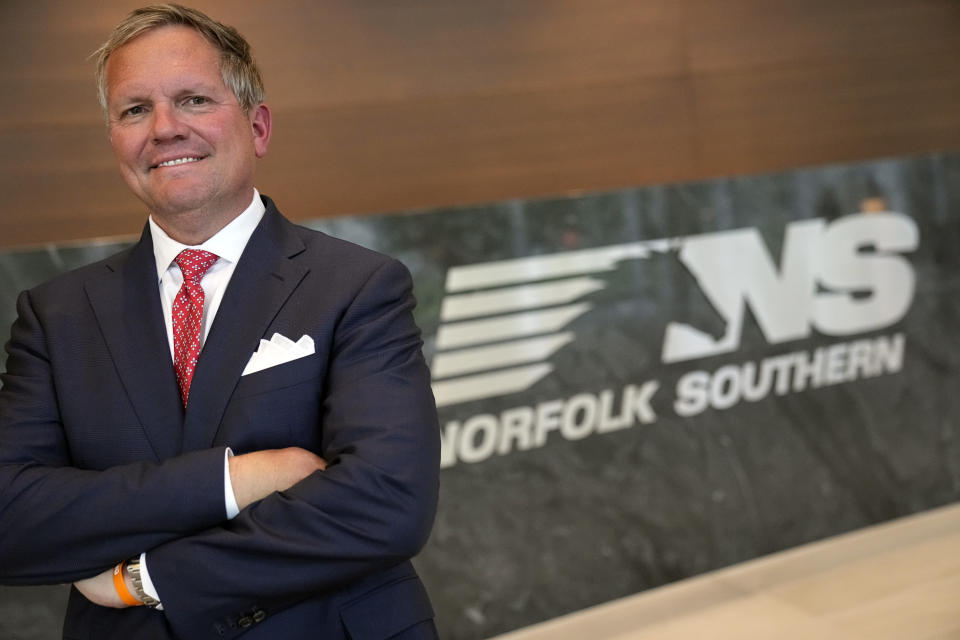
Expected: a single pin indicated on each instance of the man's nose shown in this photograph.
(167, 123)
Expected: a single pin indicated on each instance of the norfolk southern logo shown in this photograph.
(503, 321)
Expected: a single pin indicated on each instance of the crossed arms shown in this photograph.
(301, 530)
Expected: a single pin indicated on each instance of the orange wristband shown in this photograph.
(121, 587)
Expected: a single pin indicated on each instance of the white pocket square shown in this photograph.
(278, 350)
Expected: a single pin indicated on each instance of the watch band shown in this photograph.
(133, 568)
(120, 586)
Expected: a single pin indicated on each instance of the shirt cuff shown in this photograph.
(232, 510)
(147, 583)
(229, 499)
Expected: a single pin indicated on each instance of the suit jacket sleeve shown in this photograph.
(371, 509)
(61, 523)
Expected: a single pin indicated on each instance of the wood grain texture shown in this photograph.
(390, 106)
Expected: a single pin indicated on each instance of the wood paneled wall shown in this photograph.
(384, 106)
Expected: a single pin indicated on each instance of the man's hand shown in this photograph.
(100, 590)
(258, 474)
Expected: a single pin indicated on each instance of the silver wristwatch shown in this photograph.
(133, 568)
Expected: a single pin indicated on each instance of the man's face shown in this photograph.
(184, 144)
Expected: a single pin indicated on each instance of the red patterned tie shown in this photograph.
(188, 315)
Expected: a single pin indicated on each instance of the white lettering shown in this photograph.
(517, 429)
(725, 388)
(889, 353)
(523, 428)
(607, 421)
(868, 285)
(835, 368)
(448, 444)
(636, 403)
(841, 279)
(698, 391)
(579, 416)
(548, 419)
(478, 439)
(692, 395)
(807, 370)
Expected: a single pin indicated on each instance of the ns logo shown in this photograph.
(501, 321)
(842, 278)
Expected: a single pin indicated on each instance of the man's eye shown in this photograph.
(197, 100)
(133, 111)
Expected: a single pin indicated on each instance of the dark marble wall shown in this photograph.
(550, 521)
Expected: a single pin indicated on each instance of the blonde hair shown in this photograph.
(237, 66)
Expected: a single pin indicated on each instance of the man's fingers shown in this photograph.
(305, 461)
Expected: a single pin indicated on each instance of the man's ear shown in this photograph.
(260, 123)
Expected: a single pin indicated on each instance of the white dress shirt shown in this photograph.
(228, 244)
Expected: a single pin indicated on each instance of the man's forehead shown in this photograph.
(170, 36)
(169, 58)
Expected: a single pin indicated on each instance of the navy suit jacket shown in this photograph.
(99, 461)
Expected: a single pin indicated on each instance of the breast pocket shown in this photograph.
(276, 407)
(295, 372)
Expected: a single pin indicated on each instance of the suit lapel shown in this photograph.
(263, 279)
(126, 303)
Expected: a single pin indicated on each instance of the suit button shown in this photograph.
(259, 615)
(245, 622)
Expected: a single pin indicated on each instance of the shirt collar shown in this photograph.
(228, 243)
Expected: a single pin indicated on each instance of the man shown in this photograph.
(226, 331)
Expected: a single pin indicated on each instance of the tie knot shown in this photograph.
(194, 263)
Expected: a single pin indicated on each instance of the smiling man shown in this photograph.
(227, 429)
(186, 144)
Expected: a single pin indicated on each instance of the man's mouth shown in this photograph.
(177, 161)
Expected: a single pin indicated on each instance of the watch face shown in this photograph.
(133, 568)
